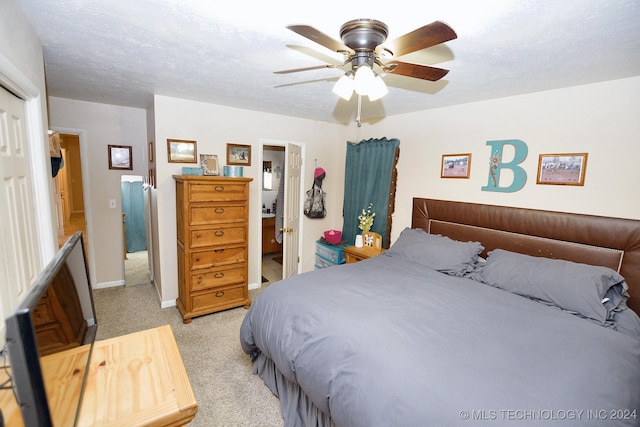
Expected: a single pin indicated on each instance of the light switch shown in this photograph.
(112, 203)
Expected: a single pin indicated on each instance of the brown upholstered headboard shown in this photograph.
(596, 240)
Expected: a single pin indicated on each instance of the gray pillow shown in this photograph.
(578, 288)
(436, 252)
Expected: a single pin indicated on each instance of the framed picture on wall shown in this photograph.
(181, 151)
(562, 169)
(120, 157)
(455, 165)
(238, 154)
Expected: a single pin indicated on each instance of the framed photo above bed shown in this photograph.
(455, 165)
(562, 169)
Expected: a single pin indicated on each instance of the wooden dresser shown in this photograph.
(212, 229)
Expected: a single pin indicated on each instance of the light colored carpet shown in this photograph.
(136, 269)
(227, 391)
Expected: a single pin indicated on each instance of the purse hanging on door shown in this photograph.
(314, 200)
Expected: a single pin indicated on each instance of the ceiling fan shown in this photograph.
(362, 47)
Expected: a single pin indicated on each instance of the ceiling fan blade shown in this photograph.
(417, 71)
(314, 67)
(320, 38)
(430, 35)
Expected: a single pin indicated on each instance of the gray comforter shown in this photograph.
(386, 342)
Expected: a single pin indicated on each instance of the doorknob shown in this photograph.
(286, 230)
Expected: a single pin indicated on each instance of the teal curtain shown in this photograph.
(368, 173)
(133, 207)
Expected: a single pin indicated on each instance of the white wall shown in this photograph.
(600, 119)
(104, 125)
(212, 127)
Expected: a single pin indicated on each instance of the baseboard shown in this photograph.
(109, 284)
(254, 286)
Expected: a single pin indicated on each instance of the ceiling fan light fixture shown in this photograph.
(378, 89)
(344, 86)
(364, 80)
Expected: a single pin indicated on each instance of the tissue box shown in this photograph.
(333, 236)
(191, 171)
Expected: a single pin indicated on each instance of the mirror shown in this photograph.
(267, 177)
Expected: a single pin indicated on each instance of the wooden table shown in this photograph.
(354, 254)
(134, 380)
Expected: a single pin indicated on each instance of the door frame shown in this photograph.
(86, 193)
(282, 143)
(17, 82)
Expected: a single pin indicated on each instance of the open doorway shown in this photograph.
(272, 182)
(135, 220)
(283, 168)
(69, 189)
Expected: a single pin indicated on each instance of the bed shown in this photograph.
(476, 314)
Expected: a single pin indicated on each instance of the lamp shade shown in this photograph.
(344, 87)
(363, 80)
(377, 89)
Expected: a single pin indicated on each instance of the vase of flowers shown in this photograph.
(365, 219)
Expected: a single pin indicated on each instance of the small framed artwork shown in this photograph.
(181, 151)
(209, 164)
(455, 165)
(238, 154)
(150, 151)
(562, 169)
(120, 157)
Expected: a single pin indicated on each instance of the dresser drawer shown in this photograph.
(43, 313)
(221, 298)
(204, 237)
(218, 277)
(217, 191)
(216, 257)
(216, 213)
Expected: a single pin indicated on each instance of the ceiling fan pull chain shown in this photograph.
(359, 110)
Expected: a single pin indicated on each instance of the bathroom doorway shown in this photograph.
(272, 183)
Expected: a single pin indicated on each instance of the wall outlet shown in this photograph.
(112, 203)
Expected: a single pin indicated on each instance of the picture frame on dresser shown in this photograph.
(182, 151)
(562, 169)
(209, 164)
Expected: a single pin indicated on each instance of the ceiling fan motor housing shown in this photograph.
(363, 34)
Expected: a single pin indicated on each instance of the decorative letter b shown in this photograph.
(496, 165)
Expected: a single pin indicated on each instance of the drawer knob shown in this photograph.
(218, 275)
(219, 188)
(219, 233)
(219, 210)
(220, 294)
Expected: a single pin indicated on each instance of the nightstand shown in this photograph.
(354, 254)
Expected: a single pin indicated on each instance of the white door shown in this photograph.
(18, 241)
(291, 220)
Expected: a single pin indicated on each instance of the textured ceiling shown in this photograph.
(122, 52)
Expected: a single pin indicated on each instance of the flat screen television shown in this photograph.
(57, 314)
